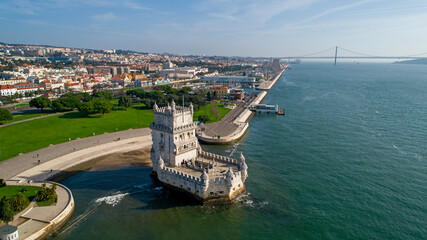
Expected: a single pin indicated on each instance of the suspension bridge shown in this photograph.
(356, 55)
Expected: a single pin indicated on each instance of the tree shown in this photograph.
(58, 106)
(6, 211)
(102, 94)
(125, 101)
(86, 107)
(46, 193)
(40, 102)
(214, 109)
(101, 105)
(70, 101)
(19, 202)
(204, 118)
(5, 115)
(2, 183)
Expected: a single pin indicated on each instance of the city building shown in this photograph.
(220, 90)
(228, 80)
(7, 90)
(237, 94)
(181, 164)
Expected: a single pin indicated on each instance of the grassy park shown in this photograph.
(40, 133)
(9, 191)
(206, 110)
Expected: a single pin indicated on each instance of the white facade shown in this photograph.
(7, 90)
(228, 79)
(8, 232)
(179, 161)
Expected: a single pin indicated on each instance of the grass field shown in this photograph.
(9, 191)
(206, 111)
(39, 133)
(31, 192)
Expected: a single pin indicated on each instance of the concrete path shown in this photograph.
(19, 164)
(30, 119)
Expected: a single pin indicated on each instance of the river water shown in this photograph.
(348, 161)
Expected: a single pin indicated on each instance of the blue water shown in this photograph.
(348, 161)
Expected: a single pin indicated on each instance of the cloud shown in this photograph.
(104, 17)
(134, 5)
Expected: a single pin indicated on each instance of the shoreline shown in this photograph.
(105, 163)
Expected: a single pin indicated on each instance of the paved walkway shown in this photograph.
(30, 119)
(19, 164)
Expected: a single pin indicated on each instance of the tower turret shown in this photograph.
(161, 163)
(229, 176)
(173, 105)
(205, 180)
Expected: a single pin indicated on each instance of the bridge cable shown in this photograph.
(358, 53)
(306, 55)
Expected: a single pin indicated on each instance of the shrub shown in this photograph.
(46, 193)
(2, 183)
(203, 118)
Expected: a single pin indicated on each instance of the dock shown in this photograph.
(264, 108)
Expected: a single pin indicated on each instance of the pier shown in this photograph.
(264, 108)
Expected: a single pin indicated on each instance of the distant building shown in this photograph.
(47, 85)
(168, 65)
(144, 82)
(13, 81)
(237, 94)
(228, 80)
(7, 90)
(161, 81)
(276, 64)
(220, 90)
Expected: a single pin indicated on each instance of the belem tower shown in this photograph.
(181, 164)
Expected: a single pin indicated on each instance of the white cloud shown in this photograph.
(134, 5)
(104, 17)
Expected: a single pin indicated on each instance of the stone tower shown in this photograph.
(173, 134)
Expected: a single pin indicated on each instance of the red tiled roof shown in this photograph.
(4, 87)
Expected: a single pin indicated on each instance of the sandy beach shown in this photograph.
(140, 158)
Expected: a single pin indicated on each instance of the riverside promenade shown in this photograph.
(232, 127)
(267, 85)
(38, 222)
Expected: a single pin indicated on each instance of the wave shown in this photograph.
(112, 200)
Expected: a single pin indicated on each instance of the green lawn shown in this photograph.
(46, 203)
(9, 191)
(206, 111)
(39, 133)
(22, 105)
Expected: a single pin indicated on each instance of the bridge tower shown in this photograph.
(336, 51)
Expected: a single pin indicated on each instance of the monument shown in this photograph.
(181, 164)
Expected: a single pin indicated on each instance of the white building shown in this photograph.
(7, 90)
(233, 80)
(8, 232)
(181, 164)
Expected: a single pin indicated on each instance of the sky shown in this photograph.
(268, 28)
